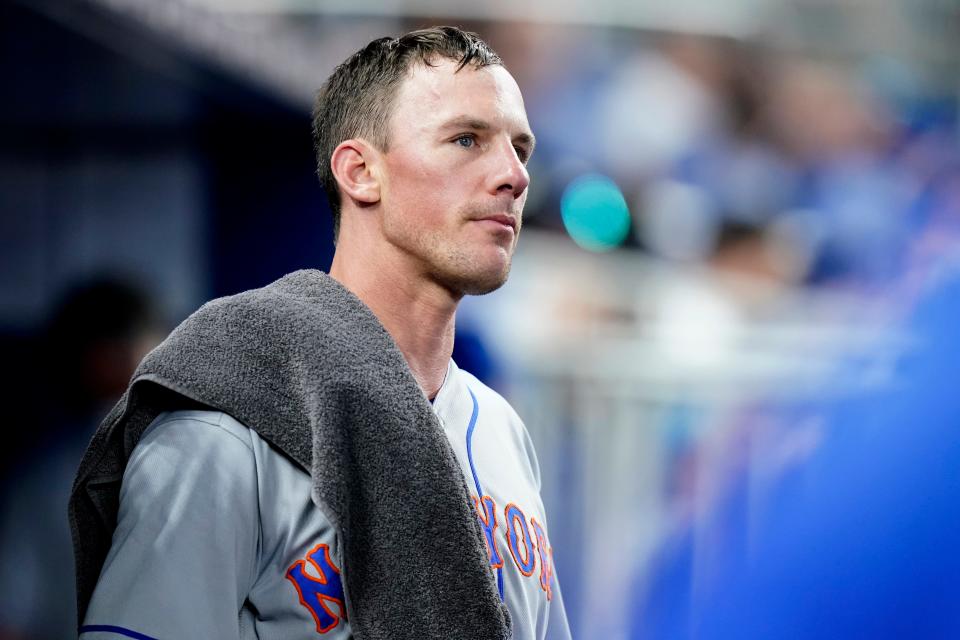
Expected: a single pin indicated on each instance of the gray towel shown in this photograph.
(308, 366)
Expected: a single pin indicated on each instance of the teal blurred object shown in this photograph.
(595, 213)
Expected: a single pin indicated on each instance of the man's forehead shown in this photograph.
(441, 91)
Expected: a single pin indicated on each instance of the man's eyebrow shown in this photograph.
(469, 122)
(466, 122)
(526, 139)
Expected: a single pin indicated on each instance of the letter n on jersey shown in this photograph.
(317, 592)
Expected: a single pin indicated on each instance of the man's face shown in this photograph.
(455, 180)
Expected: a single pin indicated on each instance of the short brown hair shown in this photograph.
(357, 98)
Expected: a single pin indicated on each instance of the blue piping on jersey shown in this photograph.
(90, 628)
(473, 470)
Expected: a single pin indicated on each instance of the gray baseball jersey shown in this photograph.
(217, 535)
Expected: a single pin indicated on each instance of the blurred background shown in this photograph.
(729, 326)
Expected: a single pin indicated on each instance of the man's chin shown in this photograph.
(482, 288)
(477, 282)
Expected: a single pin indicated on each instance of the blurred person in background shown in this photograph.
(818, 518)
(98, 333)
(799, 150)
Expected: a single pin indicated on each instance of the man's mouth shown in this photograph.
(501, 219)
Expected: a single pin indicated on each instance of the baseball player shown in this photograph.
(219, 533)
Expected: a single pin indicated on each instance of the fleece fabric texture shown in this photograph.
(308, 366)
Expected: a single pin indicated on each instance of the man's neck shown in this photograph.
(419, 315)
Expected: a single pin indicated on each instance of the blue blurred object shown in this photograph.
(858, 542)
(471, 354)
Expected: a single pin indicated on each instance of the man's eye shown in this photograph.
(465, 141)
(523, 154)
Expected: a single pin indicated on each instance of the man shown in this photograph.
(294, 487)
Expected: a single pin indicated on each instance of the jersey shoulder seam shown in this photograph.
(192, 417)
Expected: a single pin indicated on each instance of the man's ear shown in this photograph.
(352, 165)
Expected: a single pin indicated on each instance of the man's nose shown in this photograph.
(510, 173)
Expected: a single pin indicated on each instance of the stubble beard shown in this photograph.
(447, 259)
(459, 273)
(463, 273)
(453, 266)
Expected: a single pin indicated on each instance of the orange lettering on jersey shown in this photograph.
(546, 559)
(525, 561)
(488, 521)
